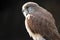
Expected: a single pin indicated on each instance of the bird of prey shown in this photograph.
(39, 22)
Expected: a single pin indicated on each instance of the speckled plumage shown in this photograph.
(41, 24)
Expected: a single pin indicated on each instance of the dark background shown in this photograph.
(12, 20)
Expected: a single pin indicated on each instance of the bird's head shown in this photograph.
(29, 7)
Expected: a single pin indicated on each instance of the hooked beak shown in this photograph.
(25, 12)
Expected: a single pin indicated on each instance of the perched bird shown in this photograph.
(39, 22)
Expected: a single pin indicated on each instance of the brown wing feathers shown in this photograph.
(43, 27)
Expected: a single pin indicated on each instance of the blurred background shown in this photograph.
(12, 20)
